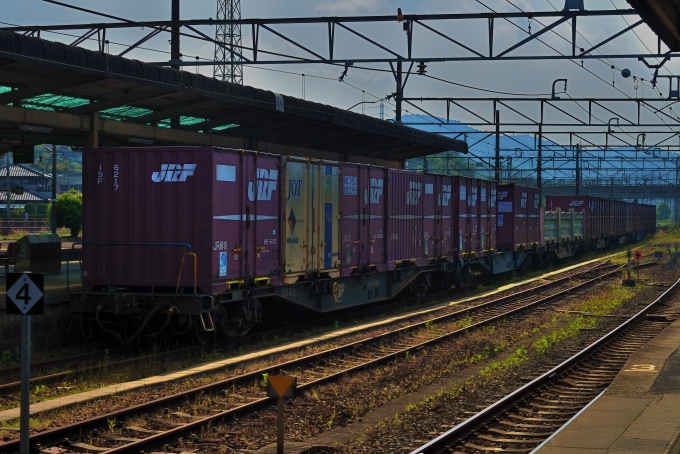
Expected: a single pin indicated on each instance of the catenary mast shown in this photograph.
(229, 35)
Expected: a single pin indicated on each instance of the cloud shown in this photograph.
(350, 6)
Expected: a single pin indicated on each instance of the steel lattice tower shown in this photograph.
(230, 36)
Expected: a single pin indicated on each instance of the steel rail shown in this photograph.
(58, 434)
(485, 416)
(167, 436)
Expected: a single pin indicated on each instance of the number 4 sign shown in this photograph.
(25, 292)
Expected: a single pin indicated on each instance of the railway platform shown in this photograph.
(638, 413)
(55, 283)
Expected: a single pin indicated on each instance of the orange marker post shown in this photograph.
(281, 388)
(638, 258)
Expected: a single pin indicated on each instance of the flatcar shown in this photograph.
(199, 236)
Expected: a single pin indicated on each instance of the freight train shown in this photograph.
(181, 237)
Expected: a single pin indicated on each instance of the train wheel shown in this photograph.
(457, 279)
(200, 336)
(423, 284)
(466, 275)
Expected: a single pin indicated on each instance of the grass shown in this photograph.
(605, 301)
(600, 306)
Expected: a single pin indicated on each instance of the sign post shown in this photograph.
(638, 258)
(281, 388)
(25, 432)
(25, 297)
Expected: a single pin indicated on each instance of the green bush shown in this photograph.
(30, 208)
(69, 211)
(42, 209)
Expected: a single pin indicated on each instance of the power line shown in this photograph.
(560, 53)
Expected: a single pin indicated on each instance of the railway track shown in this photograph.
(236, 396)
(522, 420)
(83, 363)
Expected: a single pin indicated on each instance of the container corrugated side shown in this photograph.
(156, 195)
(405, 217)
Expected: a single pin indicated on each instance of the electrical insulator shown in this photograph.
(421, 68)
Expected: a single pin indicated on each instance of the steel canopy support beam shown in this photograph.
(132, 98)
(531, 37)
(177, 111)
(140, 42)
(82, 124)
(49, 87)
(616, 35)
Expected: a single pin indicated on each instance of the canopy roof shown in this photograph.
(50, 91)
(663, 17)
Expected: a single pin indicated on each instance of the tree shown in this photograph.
(41, 209)
(30, 209)
(663, 211)
(69, 211)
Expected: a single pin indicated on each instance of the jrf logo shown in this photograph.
(492, 199)
(173, 173)
(413, 194)
(445, 196)
(537, 201)
(576, 203)
(523, 201)
(372, 195)
(265, 180)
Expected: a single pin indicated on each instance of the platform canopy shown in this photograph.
(663, 17)
(55, 93)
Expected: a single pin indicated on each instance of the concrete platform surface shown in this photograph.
(638, 413)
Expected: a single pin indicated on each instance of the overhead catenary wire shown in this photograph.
(376, 69)
(572, 61)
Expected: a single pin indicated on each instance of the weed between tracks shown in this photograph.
(420, 422)
(354, 397)
(348, 400)
(92, 381)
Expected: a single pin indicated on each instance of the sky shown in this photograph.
(321, 83)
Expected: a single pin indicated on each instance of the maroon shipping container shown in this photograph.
(607, 218)
(438, 217)
(449, 225)
(487, 215)
(405, 237)
(430, 221)
(364, 220)
(466, 216)
(534, 231)
(147, 206)
(513, 217)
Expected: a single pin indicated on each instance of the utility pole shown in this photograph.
(175, 55)
(497, 165)
(539, 162)
(676, 207)
(578, 168)
(229, 36)
(9, 195)
(53, 220)
(400, 92)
